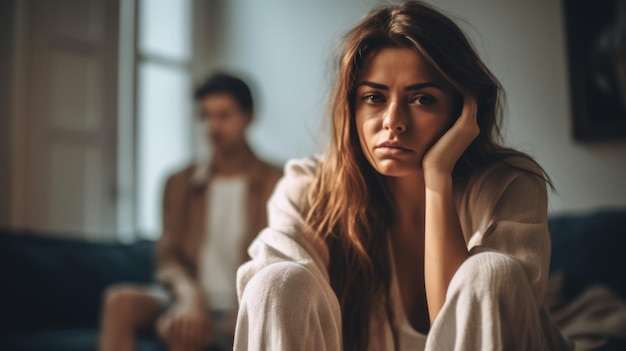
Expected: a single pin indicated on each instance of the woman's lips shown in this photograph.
(389, 148)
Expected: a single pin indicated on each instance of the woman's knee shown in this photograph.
(489, 272)
(283, 285)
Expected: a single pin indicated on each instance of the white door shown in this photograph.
(70, 110)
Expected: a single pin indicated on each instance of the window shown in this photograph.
(164, 122)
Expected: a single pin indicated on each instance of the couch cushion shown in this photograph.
(56, 283)
(590, 249)
(66, 340)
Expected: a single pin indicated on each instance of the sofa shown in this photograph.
(51, 290)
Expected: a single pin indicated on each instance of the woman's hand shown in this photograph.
(444, 245)
(443, 155)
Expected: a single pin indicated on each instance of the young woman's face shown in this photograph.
(402, 107)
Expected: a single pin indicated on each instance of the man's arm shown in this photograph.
(172, 269)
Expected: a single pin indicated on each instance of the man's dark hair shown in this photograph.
(225, 83)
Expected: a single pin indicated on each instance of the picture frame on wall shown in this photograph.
(596, 50)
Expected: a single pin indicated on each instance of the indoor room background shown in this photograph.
(96, 107)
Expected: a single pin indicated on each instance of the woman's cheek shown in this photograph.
(367, 132)
(373, 128)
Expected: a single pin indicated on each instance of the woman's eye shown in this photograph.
(424, 99)
(373, 98)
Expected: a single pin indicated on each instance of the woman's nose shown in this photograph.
(395, 118)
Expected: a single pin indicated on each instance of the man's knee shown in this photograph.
(120, 295)
(122, 299)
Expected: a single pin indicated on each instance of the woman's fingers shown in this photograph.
(468, 121)
(444, 154)
(470, 107)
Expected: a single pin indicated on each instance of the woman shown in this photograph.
(416, 229)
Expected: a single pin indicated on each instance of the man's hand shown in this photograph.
(443, 155)
(186, 325)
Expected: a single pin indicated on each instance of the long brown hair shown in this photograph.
(349, 202)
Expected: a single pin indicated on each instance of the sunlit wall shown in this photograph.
(286, 45)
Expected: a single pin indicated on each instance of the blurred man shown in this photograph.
(211, 213)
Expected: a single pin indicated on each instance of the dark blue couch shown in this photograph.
(590, 249)
(51, 289)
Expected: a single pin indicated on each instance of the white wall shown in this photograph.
(286, 47)
(524, 44)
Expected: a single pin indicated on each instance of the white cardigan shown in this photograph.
(500, 209)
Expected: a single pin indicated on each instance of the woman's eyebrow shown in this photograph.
(411, 87)
(419, 86)
(373, 85)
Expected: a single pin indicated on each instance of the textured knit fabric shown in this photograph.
(494, 301)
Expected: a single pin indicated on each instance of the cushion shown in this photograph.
(58, 283)
(590, 249)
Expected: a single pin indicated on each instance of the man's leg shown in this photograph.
(126, 310)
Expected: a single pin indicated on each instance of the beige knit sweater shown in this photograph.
(500, 209)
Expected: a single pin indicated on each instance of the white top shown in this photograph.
(219, 258)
